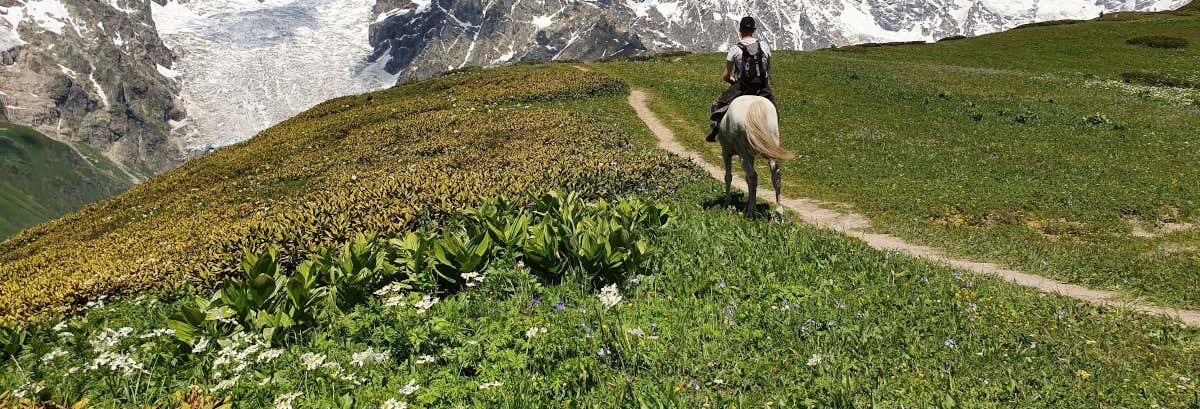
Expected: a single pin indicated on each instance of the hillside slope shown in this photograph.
(42, 179)
(1067, 150)
(381, 162)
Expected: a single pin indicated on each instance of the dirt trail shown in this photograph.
(818, 214)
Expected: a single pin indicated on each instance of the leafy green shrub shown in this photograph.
(1157, 80)
(603, 240)
(1158, 41)
(12, 340)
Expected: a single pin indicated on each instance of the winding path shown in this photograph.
(855, 225)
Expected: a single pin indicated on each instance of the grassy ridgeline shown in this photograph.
(41, 179)
(376, 163)
(1053, 149)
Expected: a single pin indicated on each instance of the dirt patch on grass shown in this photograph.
(1147, 230)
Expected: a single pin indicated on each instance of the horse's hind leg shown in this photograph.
(751, 184)
(777, 182)
(727, 155)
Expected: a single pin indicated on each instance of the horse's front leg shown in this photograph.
(751, 185)
(727, 155)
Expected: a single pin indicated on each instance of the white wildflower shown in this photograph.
(609, 296)
(425, 359)
(636, 331)
(116, 363)
(53, 355)
(394, 404)
(200, 346)
(60, 326)
(472, 280)
(268, 355)
(531, 332)
(425, 304)
(393, 288)
(361, 359)
(108, 338)
(225, 384)
(489, 385)
(815, 360)
(410, 388)
(312, 361)
(158, 333)
(394, 301)
(285, 401)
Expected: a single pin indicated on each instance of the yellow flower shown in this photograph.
(1083, 374)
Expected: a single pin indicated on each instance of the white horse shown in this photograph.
(751, 127)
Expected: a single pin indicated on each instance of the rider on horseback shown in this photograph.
(751, 61)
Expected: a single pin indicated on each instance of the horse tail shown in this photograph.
(762, 131)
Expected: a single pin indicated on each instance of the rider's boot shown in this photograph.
(712, 132)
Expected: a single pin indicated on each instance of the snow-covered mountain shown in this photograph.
(145, 81)
(425, 36)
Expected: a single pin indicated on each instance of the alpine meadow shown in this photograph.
(517, 237)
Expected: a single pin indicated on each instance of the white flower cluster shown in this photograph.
(108, 338)
(161, 332)
(425, 359)
(361, 359)
(53, 355)
(410, 388)
(236, 354)
(314, 362)
(531, 332)
(610, 296)
(392, 294)
(472, 280)
(394, 404)
(489, 385)
(425, 304)
(285, 401)
(117, 363)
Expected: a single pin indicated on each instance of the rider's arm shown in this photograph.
(729, 72)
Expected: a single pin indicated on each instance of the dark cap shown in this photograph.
(747, 24)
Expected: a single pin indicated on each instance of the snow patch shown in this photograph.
(503, 58)
(541, 22)
(9, 39)
(68, 72)
(50, 15)
(167, 72)
(99, 89)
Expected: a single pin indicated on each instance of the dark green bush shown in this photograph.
(1048, 23)
(1156, 80)
(1158, 42)
(953, 38)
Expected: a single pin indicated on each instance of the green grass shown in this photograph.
(765, 314)
(1024, 147)
(42, 179)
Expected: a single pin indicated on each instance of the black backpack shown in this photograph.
(754, 67)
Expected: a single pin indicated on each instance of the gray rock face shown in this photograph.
(418, 38)
(86, 72)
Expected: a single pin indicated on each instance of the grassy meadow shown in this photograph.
(1047, 148)
(42, 179)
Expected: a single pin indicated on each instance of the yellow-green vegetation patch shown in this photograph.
(374, 163)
